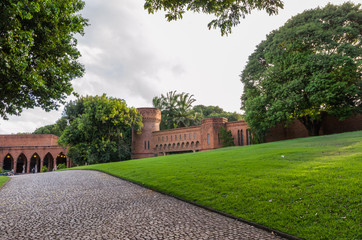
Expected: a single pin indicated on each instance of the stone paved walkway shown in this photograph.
(93, 205)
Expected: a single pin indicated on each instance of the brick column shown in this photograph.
(28, 164)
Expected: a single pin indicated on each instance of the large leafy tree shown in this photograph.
(38, 54)
(227, 13)
(306, 69)
(176, 109)
(99, 129)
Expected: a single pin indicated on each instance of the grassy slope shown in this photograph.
(312, 192)
(3, 179)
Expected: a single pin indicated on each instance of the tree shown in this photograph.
(306, 69)
(227, 13)
(38, 54)
(99, 129)
(215, 111)
(226, 137)
(175, 109)
(56, 128)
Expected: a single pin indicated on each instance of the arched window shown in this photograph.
(145, 145)
(241, 138)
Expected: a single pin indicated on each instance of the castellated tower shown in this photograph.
(142, 143)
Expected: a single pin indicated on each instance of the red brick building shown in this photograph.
(30, 152)
(24, 153)
(153, 142)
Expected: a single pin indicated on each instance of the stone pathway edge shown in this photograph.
(268, 229)
(1, 187)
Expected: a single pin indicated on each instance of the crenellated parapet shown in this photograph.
(150, 115)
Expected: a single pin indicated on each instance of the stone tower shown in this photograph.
(142, 146)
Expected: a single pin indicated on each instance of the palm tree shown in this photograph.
(175, 109)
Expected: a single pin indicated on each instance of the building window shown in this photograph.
(171, 137)
(145, 145)
(194, 135)
(148, 144)
(218, 138)
(241, 138)
(166, 138)
(208, 138)
(175, 137)
(162, 138)
(185, 137)
(190, 136)
(248, 137)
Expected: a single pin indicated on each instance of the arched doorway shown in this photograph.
(35, 163)
(21, 164)
(61, 159)
(48, 161)
(8, 162)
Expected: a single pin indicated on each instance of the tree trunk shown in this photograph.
(313, 126)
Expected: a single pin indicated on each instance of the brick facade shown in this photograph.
(153, 142)
(23, 153)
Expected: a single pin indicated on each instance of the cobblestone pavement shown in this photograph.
(94, 205)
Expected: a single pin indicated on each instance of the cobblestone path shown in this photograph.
(94, 205)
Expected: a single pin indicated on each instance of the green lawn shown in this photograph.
(306, 187)
(3, 179)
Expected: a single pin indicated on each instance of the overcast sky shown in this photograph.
(135, 56)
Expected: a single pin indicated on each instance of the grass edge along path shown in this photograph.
(3, 180)
(307, 187)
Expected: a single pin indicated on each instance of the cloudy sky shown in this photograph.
(135, 56)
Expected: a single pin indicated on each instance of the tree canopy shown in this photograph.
(215, 111)
(38, 54)
(175, 109)
(99, 130)
(227, 13)
(56, 128)
(309, 67)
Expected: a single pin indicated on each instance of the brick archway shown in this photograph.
(8, 162)
(35, 163)
(21, 163)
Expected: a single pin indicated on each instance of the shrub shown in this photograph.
(226, 137)
(44, 169)
(61, 166)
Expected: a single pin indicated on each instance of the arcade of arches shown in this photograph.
(29, 153)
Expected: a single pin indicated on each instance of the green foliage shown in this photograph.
(3, 179)
(56, 128)
(38, 55)
(175, 109)
(99, 130)
(1, 170)
(307, 187)
(61, 166)
(202, 112)
(226, 137)
(227, 13)
(44, 169)
(306, 69)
